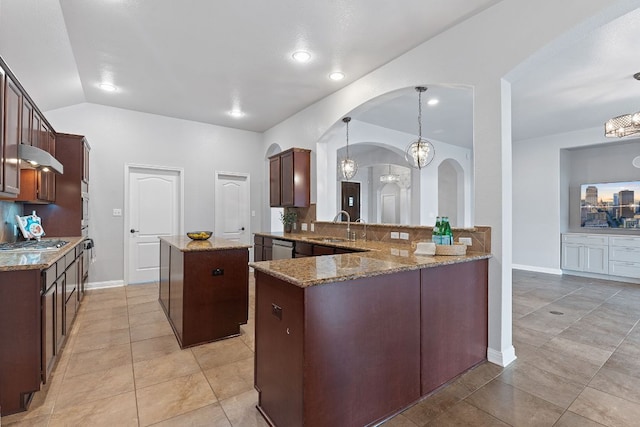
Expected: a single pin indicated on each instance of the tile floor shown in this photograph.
(122, 366)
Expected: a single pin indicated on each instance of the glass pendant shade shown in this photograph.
(389, 178)
(420, 152)
(348, 168)
(621, 126)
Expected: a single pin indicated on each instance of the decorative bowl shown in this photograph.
(199, 235)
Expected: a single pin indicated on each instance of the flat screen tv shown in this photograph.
(610, 205)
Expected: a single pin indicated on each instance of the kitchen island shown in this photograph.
(355, 338)
(204, 287)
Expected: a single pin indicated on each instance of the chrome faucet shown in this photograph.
(335, 219)
(364, 233)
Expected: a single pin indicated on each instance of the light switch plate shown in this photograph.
(304, 226)
(466, 240)
(313, 227)
(404, 236)
(395, 235)
(117, 212)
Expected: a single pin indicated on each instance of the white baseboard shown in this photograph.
(500, 358)
(602, 276)
(536, 269)
(103, 285)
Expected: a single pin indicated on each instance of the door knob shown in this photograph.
(242, 229)
(133, 231)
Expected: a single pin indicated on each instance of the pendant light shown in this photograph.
(420, 152)
(389, 177)
(625, 125)
(348, 166)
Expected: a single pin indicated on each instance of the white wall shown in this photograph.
(118, 137)
(542, 178)
(479, 53)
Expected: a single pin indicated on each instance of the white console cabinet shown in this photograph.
(602, 254)
(624, 256)
(585, 252)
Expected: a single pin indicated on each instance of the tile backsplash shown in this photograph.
(8, 212)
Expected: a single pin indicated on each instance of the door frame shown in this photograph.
(216, 180)
(128, 167)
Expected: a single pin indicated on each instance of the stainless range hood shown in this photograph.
(36, 158)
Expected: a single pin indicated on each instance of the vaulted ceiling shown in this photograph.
(199, 59)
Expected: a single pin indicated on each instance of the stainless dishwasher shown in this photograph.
(282, 249)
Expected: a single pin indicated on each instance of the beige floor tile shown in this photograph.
(514, 406)
(144, 307)
(606, 409)
(141, 289)
(210, 416)
(221, 353)
(118, 411)
(165, 368)
(464, 415)
(39, 421)
(103, 325)
(141, 299)
(579, 350)
(241, 410)
(101, 339)
(98, 360)
(150, 330)
(232, 379)
(472, 380)
(431, 407)
(569, 419)
(399, 421)
(154, 347)
(166, 400)
(139, 319)
(545, 385)
(95, 385)
(623, 363)
(576, 370)
(618, 384)
(90, 315)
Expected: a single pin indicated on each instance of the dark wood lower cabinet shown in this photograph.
(37, 308)
(205, 293)
(354, 353)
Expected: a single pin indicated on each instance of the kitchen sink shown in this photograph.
(328, 239)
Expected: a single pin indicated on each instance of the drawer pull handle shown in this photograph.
(217, 272)
(276, 310)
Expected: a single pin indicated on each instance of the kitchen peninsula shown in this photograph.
(352, 339)
(204, 287)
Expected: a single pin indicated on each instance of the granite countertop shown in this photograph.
(36, 260)
(375, 259)
(185, 244)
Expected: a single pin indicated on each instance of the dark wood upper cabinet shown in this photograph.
(290, 178)
(27, 120)
(10, 184)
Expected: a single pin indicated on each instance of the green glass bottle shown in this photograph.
(435, 234)
(447, 235)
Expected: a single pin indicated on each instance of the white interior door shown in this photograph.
(232, 208)
(154, 210)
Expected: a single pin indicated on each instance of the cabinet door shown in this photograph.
(60, 303)
(12, 110)
(274, 182)
(71, 297)
(85, 162)
(165, 254)
(27, 119)
(176, 291)
(596, 259)
(48, 331)
(287, 186)
(572, 257)
(35, 130)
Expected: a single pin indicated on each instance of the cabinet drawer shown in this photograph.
(49, 277)
(624, 269)
(585, 239)
(626, 254)
(258, 240)
(303, 249)
(630, 242)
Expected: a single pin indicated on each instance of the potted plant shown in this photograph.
(288, 218)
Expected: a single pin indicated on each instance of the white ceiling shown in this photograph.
(196, 60)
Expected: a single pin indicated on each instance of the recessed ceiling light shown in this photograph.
(301, 56)
(107, 87)
(336, 75)
(433, 101)
(236, 113)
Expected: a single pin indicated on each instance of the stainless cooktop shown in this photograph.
(33, 245)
